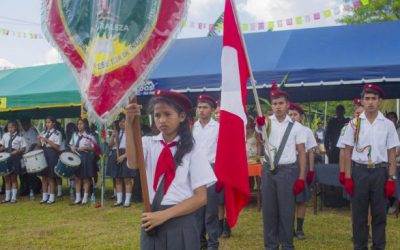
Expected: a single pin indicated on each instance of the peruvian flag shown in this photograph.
(231, 159)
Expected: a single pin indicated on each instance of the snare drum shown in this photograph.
(67, 165)
(35, 161)
(5, 169)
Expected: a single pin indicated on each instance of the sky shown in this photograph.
(25, 16)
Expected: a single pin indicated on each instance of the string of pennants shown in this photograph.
(348, 6)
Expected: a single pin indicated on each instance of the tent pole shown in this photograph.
(398, 107)
(325, 116)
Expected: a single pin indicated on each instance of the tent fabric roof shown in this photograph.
(318, 60)
(316, 57)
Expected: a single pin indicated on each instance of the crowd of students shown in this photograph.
(187, 211)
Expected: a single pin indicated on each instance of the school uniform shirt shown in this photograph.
(17, 143)
(310, 139)
(207, 137)
(194, 171)
(86, 140)
(380, 135)
(30, 137)
(340, 143)
(296, 136)
(122, 140)
(54, 136)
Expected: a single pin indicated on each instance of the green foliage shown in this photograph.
(374, 11)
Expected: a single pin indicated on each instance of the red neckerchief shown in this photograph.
(165, 165)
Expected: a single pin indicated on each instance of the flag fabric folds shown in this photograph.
(231, 159)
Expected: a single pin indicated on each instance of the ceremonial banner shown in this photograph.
(231, 158)
(111, 44)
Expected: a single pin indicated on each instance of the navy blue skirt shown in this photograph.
(86, 169)
(121, 170)
(51, 155)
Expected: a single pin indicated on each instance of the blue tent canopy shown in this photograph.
(326, 63)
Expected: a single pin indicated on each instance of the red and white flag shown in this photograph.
(231, 159)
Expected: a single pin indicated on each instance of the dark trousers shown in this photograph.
(278, 206)
(207, 218)
(369, 190)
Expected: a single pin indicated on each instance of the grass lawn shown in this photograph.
(29, 225)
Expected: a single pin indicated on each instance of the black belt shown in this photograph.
(379, 165)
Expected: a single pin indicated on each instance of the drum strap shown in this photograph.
(120, 138)
(78, 141)
(9, 147)
(49, 134)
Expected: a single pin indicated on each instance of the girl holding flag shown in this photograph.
(178, 173)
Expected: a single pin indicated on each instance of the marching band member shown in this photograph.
(29, 182)
(282, 184)
(205, 134)
(178, 173)
(370, 167)
(296, 113)
(51, 140)
(119, 169)
(14, 144)
(82, 144)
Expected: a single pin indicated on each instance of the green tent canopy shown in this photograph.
(38, 92)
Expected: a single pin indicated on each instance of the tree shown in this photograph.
(374, 11)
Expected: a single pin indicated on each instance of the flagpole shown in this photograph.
(253, 85)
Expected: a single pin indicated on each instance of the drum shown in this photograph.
(34, 161)
(5, 169)
(67, 165)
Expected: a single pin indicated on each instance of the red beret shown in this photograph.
(275, 92)
(208, 99)
(297, 107)
(357, 101)
(370, 86)
(180, 99)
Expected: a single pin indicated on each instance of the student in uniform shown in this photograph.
(82, 144)
(279, 186)
(30, 183)
(14, 144)
(205, 134)
(119, 169)
(51, 140)
(63, 148)
(296, 113)
(178, 173)
(370, 168)
(70, 130)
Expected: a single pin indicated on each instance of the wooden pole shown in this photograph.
(253, 85)
(137, 135)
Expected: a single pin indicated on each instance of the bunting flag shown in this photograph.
(110, 49)
(231, 158)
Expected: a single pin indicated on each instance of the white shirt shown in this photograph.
(86, 141)
(296, 136)
(17, 144)
(55, 136)
(340, 143)
(30, 137)
(310, 139)
(122, 142)
(207, 137)
(194, 171)
(381, 135)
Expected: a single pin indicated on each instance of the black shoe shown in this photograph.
(127, 205)
(5, 201)
(226, 233)
(50, 202)
(43, 201)
(300, 235)
(75, 203)
(116, 204)
(84, 203)
(13, 201)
